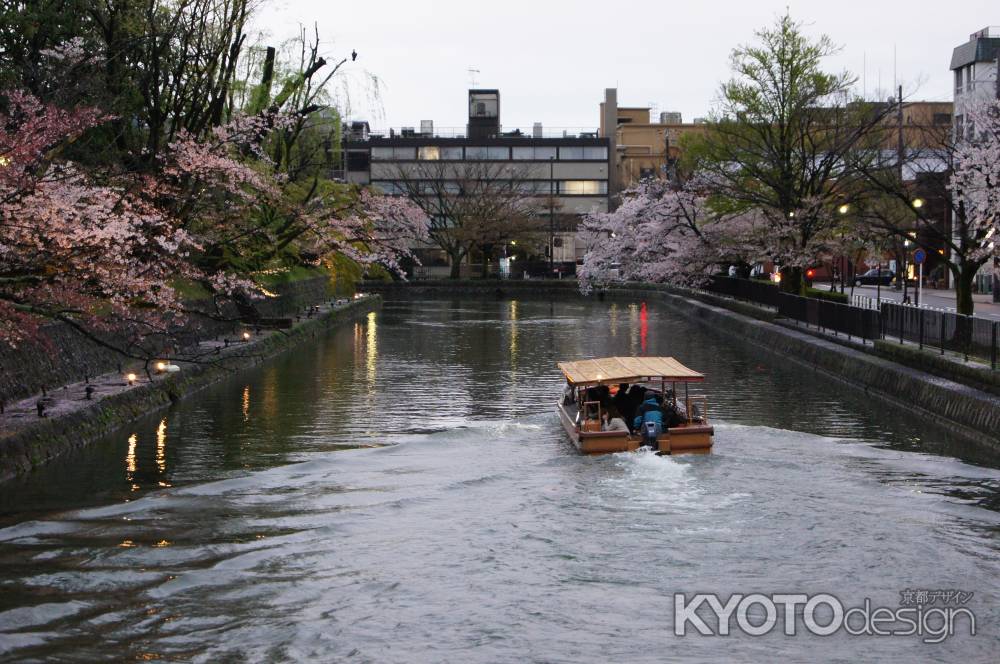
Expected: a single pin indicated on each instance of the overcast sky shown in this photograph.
(552, 60)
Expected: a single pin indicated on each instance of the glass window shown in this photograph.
(522, 153)
(390, 188)
(570, 153)
(583, 187)
(429, 152)
(596, 153)
(498, 153)
(452, 188)
(381, 153)
(958, 80)
(404, 153)
(475, 152)
(545, 153)
(451, 153)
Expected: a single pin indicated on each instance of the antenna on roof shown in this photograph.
(473, 81)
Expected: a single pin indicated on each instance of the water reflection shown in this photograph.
(161, 446)
(246, 403)
(371, 352)
(130, 461)
(513, 334)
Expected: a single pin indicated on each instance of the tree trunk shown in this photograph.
(456, 265)
(791, 280)
(963, 288)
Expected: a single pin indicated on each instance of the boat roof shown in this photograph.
(627, 370)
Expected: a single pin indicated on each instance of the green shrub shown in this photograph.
(831, 296)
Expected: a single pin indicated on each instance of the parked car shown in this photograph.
(874, 276)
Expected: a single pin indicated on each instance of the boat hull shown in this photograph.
(693, 439)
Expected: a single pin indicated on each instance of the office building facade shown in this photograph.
(565, 175)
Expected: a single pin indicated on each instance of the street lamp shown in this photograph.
(918, 203)
(844, 209)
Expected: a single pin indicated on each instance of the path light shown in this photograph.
(513, 243)
(844, 209)
(791, 215)
(918, 203)
(130, 378)
(4, 161)
(246, 336)
(161, 366)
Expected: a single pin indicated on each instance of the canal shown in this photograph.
(401, 490)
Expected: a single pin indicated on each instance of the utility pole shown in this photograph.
(900, 153)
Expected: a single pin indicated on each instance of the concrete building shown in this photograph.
(568, 174)
(642, 148)
(975, 66)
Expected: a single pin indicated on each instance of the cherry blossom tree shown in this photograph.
(103, 250)
(658, 234)
(975, 180)
(74, 247)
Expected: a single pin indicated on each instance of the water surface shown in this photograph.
(402, 491)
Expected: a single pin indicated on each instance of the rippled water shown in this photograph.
(247, 524)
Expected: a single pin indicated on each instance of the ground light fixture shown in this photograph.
(246, 336)
(161, 366)
(130, 378)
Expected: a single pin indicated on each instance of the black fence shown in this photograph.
(942, 330)
(761, 292)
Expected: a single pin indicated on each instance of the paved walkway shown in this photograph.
(73, 397)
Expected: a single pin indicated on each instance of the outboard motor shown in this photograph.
(651, 434)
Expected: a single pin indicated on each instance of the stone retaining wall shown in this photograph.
(47, 438)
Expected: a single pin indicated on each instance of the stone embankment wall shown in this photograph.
(47, 438)
(68, 356)
(944, 392)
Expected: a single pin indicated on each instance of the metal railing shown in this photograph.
(946, 331)
(968, 336)
(760, 292)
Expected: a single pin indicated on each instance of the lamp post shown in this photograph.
(552, 216)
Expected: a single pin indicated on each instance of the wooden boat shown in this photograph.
(582, 418)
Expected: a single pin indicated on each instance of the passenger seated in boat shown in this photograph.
(649, 413)
(672, 415)
(623, 403)
(613, 421)
(569, 394)
(591, 417)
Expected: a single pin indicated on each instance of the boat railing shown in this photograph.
(697, 409)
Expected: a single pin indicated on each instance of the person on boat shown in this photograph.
(622, 403)
(649, 420)
(569, 394)
(672, 415)
(613, 421)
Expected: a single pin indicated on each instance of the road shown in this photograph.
(936, 299)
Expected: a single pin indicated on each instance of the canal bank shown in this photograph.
(28, 443)
(950, 397)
